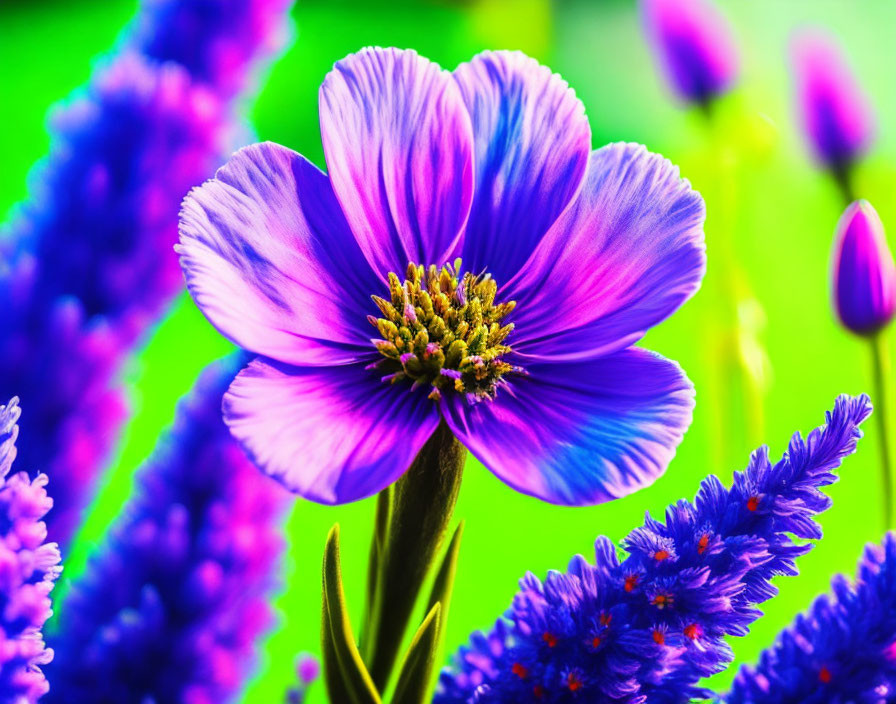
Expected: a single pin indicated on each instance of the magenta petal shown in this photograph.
(580, 433)
(532, 142)
(621, 259)
(398, 144)
(331, 435)
(268, 256)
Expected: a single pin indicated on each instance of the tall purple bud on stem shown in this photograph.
(864, 296)
(836, 114)
(694, 46)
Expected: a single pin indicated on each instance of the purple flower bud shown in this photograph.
(693, 44)
(835, 111)
(864, 275)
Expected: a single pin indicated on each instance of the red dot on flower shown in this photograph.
(631, 582)
(605, 619)
(661, 555)
(595, 642)
(538, 691)
(573, 682)
(753, 503)
(824, 675)
(520, 670)
(659, 637)
(550, 639)
(693, 631)
(702, 544)
(661, 601)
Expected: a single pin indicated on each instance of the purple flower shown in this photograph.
(835, 111)
(693, 44)
(88, 265)
(307, 672)
(29, 567)
(569, 256)
(842, 650)
(217, 41)
(171, 606)
(648, 628)
(864, 275)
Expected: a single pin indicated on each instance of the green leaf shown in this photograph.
(346, 676)
(377, 554)
(443, 585)
(416, 671)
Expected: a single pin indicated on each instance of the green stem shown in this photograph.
(880, 370)
(411, 524)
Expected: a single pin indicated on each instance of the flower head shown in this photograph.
(523, 346)
(842, 650)
(649, 627)
(28, 570)
(863, 271)
(694, 45)
(170, 606)
(835, 111)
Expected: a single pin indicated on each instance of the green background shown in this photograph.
(771, 215)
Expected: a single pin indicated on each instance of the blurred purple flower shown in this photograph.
(307, 672)
(864, 275)
(171, 606)
(573, 255)
(649, 628)
(836, 114)
(694, 45)
(843, 650)
(29, 567)
(86, 259)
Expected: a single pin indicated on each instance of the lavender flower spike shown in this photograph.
(842, 650)
(87, 255)
(171, 606)
(648, 628)
(28, 569)
(569, 256)
(863, 271)
(694, 46)
(836, 113)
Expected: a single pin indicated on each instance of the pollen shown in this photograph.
(520, 670)
(824, 675)
(538, 691)
(574, 682)
(661, 555)
(550, 639)
(703, 543)
(443, 331)
(631, 581)
(659, 637)
(693, 631)
(661, 601)
(596, 641)
(753, 503)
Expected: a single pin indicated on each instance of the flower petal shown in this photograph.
(532, 142)
(398, 144)
(332, 435)
(621, 259)
(580, 433)
(272, 263)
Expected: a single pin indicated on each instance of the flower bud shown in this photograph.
(835, 111)
(864, 276)
(694, 46)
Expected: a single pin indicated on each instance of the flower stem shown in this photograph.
(412, 518)
(881, 369)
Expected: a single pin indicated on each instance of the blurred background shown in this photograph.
(770, 217)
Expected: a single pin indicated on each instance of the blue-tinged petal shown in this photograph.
(580, 433)
(398, 144)
(621, 259)
(272, 263)
(332, 435)
(531, 141)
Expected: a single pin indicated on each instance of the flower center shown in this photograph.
(443, 330)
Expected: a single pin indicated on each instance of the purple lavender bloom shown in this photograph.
(87, 256)
(216, 41)
(647, 629)
(842, 651)
(29, 567)
(571, 255)
(864, 274)
(835, 111)
(171, 606)
(694, 45)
